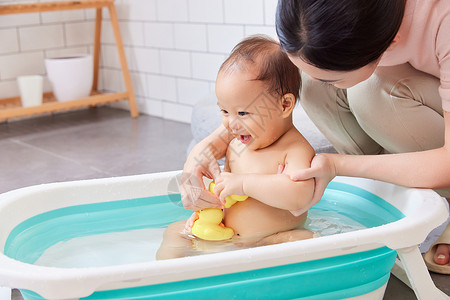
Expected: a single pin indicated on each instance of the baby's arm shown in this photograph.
(276, 190)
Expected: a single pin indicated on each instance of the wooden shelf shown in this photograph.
(10, 9)
(12, 108)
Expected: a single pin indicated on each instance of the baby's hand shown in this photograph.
(229, 184)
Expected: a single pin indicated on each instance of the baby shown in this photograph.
(257, 88)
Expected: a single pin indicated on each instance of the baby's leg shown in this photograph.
(174, 244)
(286, 236)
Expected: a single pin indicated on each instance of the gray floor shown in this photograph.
(88, 144)
(105, 142)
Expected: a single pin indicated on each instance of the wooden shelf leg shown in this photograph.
(123, 63)
(97, 41)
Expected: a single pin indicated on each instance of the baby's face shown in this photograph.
(249, 112)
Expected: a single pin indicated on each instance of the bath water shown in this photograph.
(137, 246)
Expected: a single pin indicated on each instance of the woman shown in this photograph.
(376, 80)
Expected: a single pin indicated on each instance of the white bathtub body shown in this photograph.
(424, 210)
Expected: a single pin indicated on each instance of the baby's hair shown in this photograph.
(273, 66)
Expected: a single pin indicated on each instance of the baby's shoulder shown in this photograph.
(295, 140)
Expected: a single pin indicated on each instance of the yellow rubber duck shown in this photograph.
(209, 224)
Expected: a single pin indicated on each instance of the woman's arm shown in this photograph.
(424, 169)
(202, 161)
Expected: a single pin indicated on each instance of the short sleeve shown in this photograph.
(443, 56)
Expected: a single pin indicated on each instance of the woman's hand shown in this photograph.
(193, 193)
(190, 222)
(229, 184)
(202, 162)
(322, 169)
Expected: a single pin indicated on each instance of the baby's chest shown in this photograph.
(260, 162)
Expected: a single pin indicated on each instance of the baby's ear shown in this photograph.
(287, 104)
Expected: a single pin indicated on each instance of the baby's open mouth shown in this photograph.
(245, 139)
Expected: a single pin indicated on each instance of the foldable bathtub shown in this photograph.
(352, 265)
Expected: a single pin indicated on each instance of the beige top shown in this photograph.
(424, 42)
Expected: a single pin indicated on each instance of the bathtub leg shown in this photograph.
(418, 275)
(5, 293)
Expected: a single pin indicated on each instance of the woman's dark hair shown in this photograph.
(338, 35)
(273, 65)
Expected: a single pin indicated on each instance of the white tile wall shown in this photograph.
(190, 37)
(139, 84)
(159, 35)
(150, 107)
(269, 31)
(206, 11)
(137, 10)
(172, 10)
(173, 47)
(173, 111)
(9, 42)
(81, 33)
(41, 37)
(206, 65)
(63, 16)
(176, 63)
(9, 88)
(132, 33)
(162, 88)
(190, 91)
(110, 58)
(222, 38)
(144, 60)
(26, 63)
(244, 12)
(19, 20)
(270, 8)
(112, 80)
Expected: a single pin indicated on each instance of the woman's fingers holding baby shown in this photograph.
(190, 222)
(319, 189)
(282, 168)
